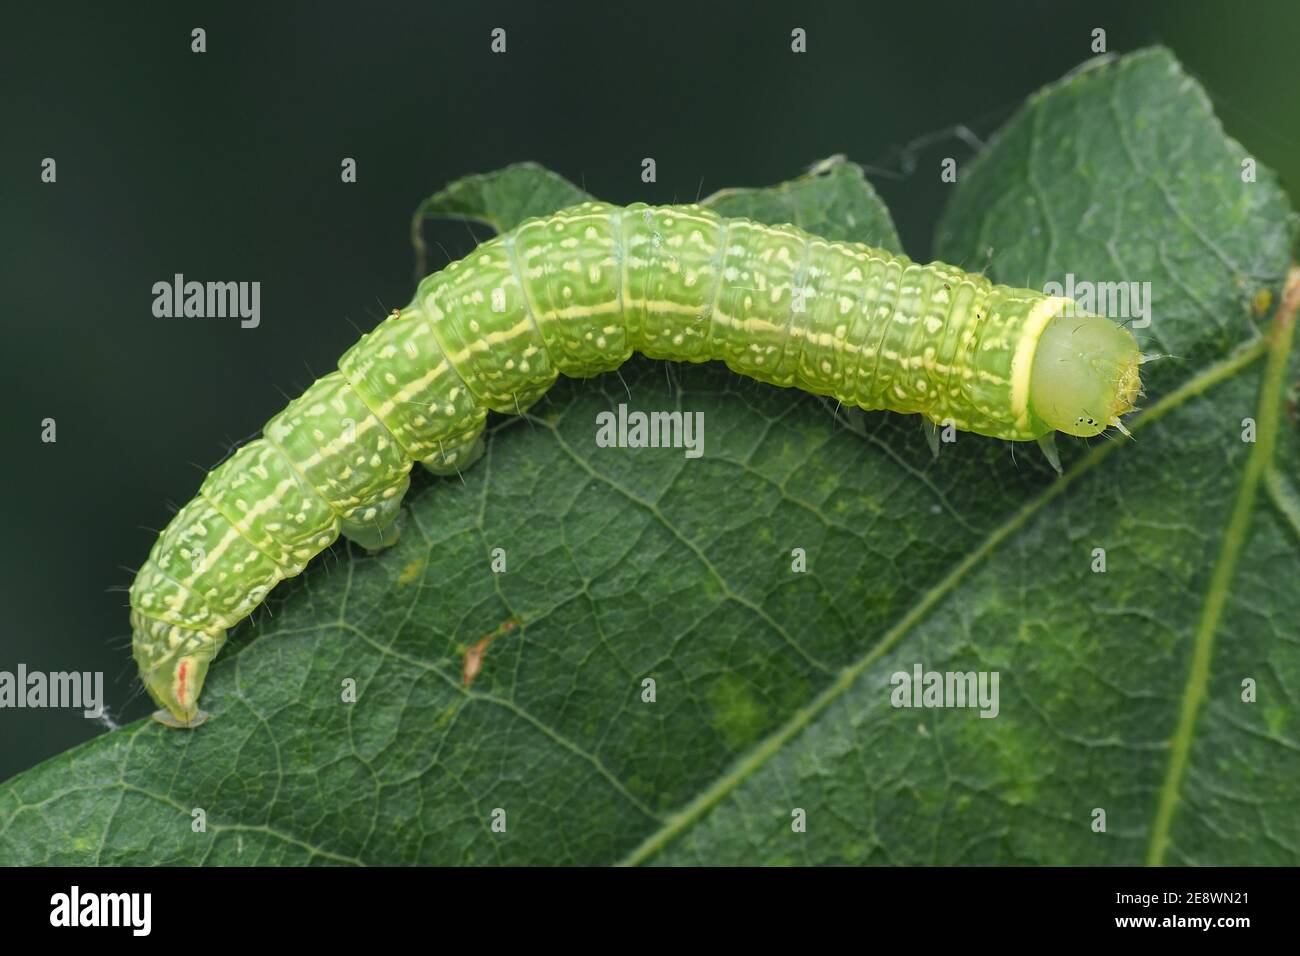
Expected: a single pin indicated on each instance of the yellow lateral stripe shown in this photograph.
(1022, 365)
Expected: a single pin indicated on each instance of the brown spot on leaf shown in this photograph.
(474, 653)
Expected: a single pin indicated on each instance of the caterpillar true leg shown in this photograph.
(576, 293)
(931, 430)
(1048, 445)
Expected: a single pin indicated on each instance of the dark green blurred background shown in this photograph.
(225, 166)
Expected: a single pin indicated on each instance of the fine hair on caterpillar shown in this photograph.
(576, 293)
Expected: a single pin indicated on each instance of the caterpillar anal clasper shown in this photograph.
(575, 294)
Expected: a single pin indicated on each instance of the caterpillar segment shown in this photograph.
(575, 294)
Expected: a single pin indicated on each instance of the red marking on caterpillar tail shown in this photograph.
(474, 653)
(180, 680)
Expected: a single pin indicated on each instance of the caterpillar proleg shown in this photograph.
(575, 294)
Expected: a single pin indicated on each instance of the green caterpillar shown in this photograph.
(576, 293)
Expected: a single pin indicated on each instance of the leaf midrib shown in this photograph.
(1232, 542)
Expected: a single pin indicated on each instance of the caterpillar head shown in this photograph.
(173, 663)
(1085, 374)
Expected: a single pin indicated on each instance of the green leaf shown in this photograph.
(1123, 172)
(772, 688)
(833, 200)
(501, 199)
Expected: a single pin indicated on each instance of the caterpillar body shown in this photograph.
(576, 293)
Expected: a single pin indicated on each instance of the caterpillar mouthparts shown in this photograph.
(1085, 374)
